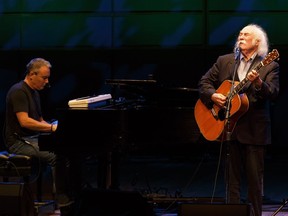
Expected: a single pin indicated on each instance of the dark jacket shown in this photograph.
(254, 126)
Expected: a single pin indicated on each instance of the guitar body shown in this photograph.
(211, 122)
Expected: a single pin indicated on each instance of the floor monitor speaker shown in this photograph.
(191, 209)
(16, 200)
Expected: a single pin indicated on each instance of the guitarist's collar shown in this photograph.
(252, 57)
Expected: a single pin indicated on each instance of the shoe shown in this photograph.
(67, 210)
(68, 203)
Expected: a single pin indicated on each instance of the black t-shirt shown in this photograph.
(20, 98)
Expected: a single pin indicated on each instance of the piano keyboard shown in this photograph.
(89, 100)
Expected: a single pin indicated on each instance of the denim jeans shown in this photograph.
(59, 164)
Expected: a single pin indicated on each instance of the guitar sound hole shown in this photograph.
(221, 114)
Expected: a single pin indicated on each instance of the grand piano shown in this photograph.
(142, 116)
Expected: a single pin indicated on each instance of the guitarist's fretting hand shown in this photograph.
(253, 76)
(219, 99)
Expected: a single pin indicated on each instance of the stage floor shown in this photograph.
(162, 178)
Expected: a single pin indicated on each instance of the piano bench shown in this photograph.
(15, 195)
(20, 167)
(13, 165)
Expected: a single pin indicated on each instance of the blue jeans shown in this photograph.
(59, 164)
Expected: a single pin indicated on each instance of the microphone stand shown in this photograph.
(281, 207)
(227, 131)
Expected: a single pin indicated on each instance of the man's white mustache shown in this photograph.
(241, 42)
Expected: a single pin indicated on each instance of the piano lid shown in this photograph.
(151, 91)
(146, 83)
(131, 82)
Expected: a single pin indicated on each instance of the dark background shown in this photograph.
(89, 41)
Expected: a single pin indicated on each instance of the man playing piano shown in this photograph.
(24, 122)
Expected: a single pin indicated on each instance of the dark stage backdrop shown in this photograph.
(89, 41)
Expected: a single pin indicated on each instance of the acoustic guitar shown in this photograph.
(212, 122)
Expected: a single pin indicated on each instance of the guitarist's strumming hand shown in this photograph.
(253, 76)
(219, 99)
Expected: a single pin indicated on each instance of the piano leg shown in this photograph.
(107, 177)
(109, 170)
(114, 170)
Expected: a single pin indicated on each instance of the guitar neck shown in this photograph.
(267, 60)
(241, 84)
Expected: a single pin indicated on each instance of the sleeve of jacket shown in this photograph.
(270, 86)
(212, 79)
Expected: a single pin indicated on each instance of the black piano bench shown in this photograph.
(15, 196)
(17, 178)
(13, 165)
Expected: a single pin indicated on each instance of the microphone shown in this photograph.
(237, 53)
(47, 85)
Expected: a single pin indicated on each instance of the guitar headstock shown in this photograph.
(273, 55)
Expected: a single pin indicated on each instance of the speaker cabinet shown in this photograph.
(191, 209)
(16, 200)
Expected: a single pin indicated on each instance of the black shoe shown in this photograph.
(68, 210)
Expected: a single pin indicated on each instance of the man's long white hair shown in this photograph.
(261, 36)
